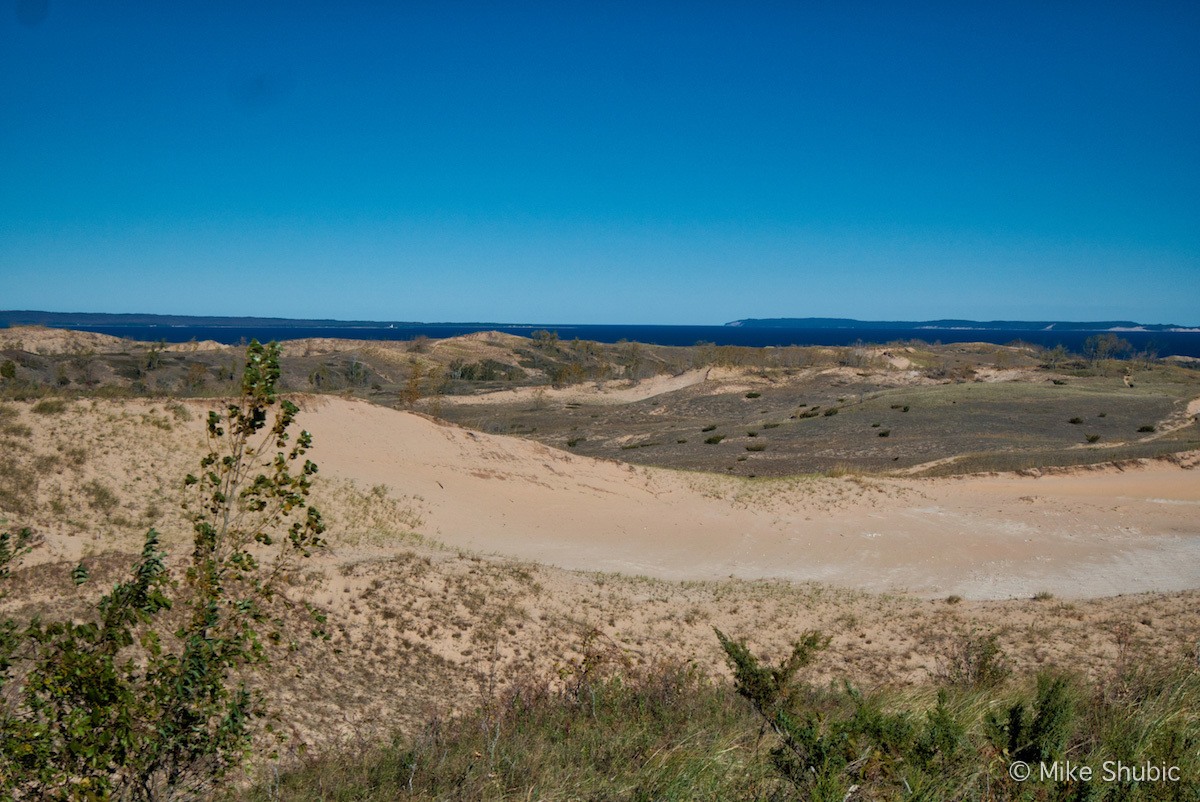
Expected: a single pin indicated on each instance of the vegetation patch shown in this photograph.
(49, 406)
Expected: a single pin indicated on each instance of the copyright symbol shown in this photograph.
(1019, 770)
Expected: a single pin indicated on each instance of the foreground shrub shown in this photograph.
(839, 743)
(140, 699)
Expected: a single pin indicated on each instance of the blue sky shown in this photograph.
(602, 162)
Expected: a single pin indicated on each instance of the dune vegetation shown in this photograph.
(463, 621)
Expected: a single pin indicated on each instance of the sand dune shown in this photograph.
(1086, 534)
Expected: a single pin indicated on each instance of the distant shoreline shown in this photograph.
(106, 319)
(232, 331)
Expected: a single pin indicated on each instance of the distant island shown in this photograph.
(952, 325)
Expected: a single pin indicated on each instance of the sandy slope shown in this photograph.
(1086, 534)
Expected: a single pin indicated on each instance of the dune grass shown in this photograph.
(599, 730)
(666, 733)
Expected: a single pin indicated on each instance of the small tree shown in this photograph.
(411, 393)
(145, 700)
(1105, 346)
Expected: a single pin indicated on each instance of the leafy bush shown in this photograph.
(1146, 428)
(709, 428)
(128, 704)
(1092, 438)
(716, 438)
(757, 447)
(1076, 421)
(753, 395)
(973, 660)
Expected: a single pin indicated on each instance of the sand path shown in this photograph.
(606, 393)
(1088, 534)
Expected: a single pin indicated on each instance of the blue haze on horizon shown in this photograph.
(654, 163)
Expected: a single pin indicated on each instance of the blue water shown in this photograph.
(1162, 343)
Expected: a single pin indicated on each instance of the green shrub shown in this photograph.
(753, 395)
(770, 425)
(126, 705)
(716, 438)
(973, 660)
(757, 447)
(50, 406)
(831, 411)
(709, 428)
(1040, 735)
(1092, 438)
(1076, 421)
(1146, 428)
(885, 433)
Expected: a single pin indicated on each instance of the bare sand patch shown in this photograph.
(620, 391)
(1078, 535)
(45, 340)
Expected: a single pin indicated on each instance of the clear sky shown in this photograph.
(602, 162)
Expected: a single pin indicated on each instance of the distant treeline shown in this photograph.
(72, 319)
